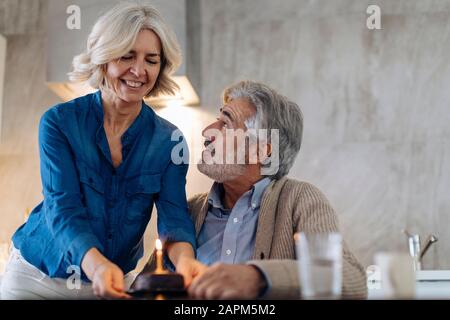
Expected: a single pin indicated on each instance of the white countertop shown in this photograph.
(434, 290)
(430, 284)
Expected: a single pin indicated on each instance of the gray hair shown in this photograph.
(273, 111)
(113, 36)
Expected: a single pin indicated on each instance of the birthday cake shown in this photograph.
(161, 282)
(158, 281)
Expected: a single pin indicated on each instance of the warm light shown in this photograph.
(26, 215)
(174, 103)
(158, 244)
(159, 257)
(186, 96)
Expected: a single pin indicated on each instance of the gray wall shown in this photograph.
(25, 99)
(376, 105)
(376, 139)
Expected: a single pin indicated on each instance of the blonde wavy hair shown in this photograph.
(114, 35)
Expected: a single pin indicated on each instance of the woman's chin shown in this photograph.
(132, 94)
(131, 97)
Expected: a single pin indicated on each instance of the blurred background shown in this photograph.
(376, 103)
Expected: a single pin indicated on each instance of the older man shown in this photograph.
(246, 223)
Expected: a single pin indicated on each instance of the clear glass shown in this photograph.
(398, 277)
(320, 265)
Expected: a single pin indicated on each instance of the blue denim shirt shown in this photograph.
(88, 203)
(228, 235)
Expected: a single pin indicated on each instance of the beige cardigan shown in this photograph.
(289, 206)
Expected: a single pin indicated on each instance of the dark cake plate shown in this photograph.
(149, 284)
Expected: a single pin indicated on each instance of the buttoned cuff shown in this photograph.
(282, 275)
(81, 245)
(264, 291)
(179, 235)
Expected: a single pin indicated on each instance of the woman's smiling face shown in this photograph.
(133, 76)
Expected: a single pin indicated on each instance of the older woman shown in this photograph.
(105, 160)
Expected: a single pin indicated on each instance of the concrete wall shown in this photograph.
(376, 139)
(24, 100)
(376, 105)
(2, 75)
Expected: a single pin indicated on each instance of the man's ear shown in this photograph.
(264, 153)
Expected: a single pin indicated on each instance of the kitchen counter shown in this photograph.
(435, 290)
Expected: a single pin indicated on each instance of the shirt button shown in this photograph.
(235, 220)
(253, 205)
(110, 236)
(228, 252)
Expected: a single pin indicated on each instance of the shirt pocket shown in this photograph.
(141, 192)
(93, 191)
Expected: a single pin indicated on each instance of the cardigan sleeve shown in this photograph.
(312, 213)
(317, 215)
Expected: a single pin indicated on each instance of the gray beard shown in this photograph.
(221, 172)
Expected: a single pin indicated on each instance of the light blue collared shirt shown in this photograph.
(228, 235)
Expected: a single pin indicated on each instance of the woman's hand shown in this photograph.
(182, 256)
(107, 278)
(190, 268)
(108, 283)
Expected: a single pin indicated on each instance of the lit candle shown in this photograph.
(159, 256)
(26, 215)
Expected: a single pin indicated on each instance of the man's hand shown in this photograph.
(189, 268)
(182, 256)
(226, 281)
(108, 282)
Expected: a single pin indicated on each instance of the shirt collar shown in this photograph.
(257, 191)
(215, 195)
(130, 134)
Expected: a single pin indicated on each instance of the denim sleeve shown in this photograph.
(65, 213)
(174, 222)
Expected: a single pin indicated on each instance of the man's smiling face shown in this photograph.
(216, 161)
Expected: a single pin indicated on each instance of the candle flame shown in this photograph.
(158, 244)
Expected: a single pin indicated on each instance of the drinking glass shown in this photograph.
(398, 277)
(320, 264)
